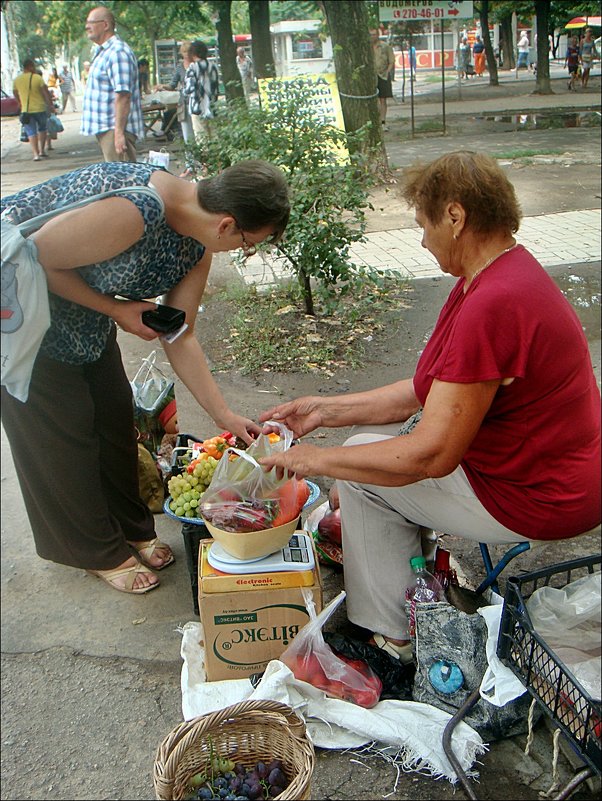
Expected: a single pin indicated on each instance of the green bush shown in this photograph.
(329, 190)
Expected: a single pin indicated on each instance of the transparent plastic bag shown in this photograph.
(312, 660)
(154, 403)
(244, 497)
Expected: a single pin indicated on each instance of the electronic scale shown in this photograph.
(297, 555)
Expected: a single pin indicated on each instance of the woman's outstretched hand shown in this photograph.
(301, 415)
(240, 426)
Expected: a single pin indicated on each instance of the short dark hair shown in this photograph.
(29, 62)
(198, 48)
(474, 180)
(254, 192)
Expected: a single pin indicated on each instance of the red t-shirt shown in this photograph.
(535, 462)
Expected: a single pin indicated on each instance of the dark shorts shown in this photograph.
(37, 123)
(573, 68)
(385, 88)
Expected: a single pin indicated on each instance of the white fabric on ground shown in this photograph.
(415, 729)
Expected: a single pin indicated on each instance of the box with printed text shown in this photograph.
(245, 629)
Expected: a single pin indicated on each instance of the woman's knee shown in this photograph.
(363, 435)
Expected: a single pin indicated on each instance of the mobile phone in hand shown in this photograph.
(164, 319)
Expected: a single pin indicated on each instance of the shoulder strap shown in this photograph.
(29, 92)
(29, 226)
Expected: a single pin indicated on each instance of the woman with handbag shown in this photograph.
(84, 509)
(36, 104)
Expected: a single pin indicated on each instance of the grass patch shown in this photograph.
(525, 154)
(270, 330)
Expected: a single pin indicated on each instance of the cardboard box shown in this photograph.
(213, 580)
(246, 629)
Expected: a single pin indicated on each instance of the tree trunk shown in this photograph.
(354, 63)
(261, 44)
(227, 51)
(542, 14)
(489, 54)
(507, 44)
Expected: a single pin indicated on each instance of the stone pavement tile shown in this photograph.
(561, 238)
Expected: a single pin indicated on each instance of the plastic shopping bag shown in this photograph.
(313, 661)
(244, 497)
(25, 313)
(155, 407)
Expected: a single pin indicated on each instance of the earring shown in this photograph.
(455, 236)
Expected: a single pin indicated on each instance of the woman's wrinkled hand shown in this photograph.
(301, 415)
(128, 316)
(299, 461)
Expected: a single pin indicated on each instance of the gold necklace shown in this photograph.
(491, 260)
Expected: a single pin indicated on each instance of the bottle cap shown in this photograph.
(418, 562)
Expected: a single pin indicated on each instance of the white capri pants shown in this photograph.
(382, 531)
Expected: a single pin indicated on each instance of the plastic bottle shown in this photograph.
(424, 589)
(442, 570)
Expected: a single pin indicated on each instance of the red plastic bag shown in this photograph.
(312, 660)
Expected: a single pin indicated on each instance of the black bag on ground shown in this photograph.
(397, 679)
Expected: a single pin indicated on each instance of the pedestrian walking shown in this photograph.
(67, 88)
(112, 111)
(36, 105)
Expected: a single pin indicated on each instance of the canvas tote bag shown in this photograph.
(24, 311)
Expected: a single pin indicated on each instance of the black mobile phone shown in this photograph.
(164, 319)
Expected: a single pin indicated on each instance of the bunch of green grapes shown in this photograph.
(187, 488)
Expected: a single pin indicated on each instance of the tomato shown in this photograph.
(291, 499)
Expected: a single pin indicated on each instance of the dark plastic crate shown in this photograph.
(193, 534)
(179, 450)
(545, 676)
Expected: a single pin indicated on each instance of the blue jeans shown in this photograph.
(37, 123)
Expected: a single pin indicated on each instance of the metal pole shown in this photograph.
(411, 85)
(443, 79)
(403, 73)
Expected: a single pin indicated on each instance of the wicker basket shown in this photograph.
(247, 732)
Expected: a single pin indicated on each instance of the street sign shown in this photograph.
(418, 10)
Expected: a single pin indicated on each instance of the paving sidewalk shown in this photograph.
(553, 239)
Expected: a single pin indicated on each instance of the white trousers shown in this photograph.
(382, 532)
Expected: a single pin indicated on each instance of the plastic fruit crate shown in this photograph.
(545, 676)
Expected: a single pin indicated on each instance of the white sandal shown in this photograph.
(110, 576)
(146, 549)
(401, 652)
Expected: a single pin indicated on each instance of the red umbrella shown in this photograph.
(582, 22)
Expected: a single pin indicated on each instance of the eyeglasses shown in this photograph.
(94, 21)
(248, 248)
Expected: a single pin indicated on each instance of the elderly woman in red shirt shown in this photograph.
(507, 448)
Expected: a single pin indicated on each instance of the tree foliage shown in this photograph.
(329, 192)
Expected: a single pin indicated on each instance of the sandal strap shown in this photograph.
(401, 652)
(146, 548)
(131, 573)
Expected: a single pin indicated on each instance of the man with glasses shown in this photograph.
(112, 110)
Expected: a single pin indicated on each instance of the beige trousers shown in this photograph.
(106, 142)
(382, 532)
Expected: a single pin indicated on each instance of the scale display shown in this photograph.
(297, 555)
